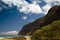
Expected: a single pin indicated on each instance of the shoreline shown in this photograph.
(13, 38)
(1, 38)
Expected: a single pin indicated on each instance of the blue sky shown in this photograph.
(14, 14)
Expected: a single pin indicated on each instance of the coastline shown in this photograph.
(14, 38)
(1, 38)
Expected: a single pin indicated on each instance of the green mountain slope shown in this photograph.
(49, 32)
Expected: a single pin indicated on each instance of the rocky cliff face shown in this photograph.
(53, 15)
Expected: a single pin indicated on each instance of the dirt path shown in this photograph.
(28, 37)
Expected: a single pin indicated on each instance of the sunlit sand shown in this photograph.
(16, 38)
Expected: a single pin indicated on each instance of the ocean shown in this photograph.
(7, 36)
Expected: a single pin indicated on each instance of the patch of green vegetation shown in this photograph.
(49, 32)
(20, 38)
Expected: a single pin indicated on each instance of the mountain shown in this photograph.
(52, 15)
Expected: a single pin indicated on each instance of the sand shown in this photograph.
(16, 38)
(7, 39)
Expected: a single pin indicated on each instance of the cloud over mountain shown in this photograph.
(24, 6)
(33, 7)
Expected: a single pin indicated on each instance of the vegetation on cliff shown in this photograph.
(49, 32)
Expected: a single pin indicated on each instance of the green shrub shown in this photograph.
(49, 32)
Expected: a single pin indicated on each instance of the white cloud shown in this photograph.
(36, 1)
(49, 4)
(9, 33)
(46, 8)
(14, 2)
(35, 8)
(56, 2)
(24, 17)
(24, 6)
(50, 1)
(31, 8)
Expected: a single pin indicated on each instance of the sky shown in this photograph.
(14, 14)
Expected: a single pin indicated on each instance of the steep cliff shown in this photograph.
(52, 15)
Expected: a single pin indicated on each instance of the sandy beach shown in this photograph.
(16, 38)
(7, 39)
